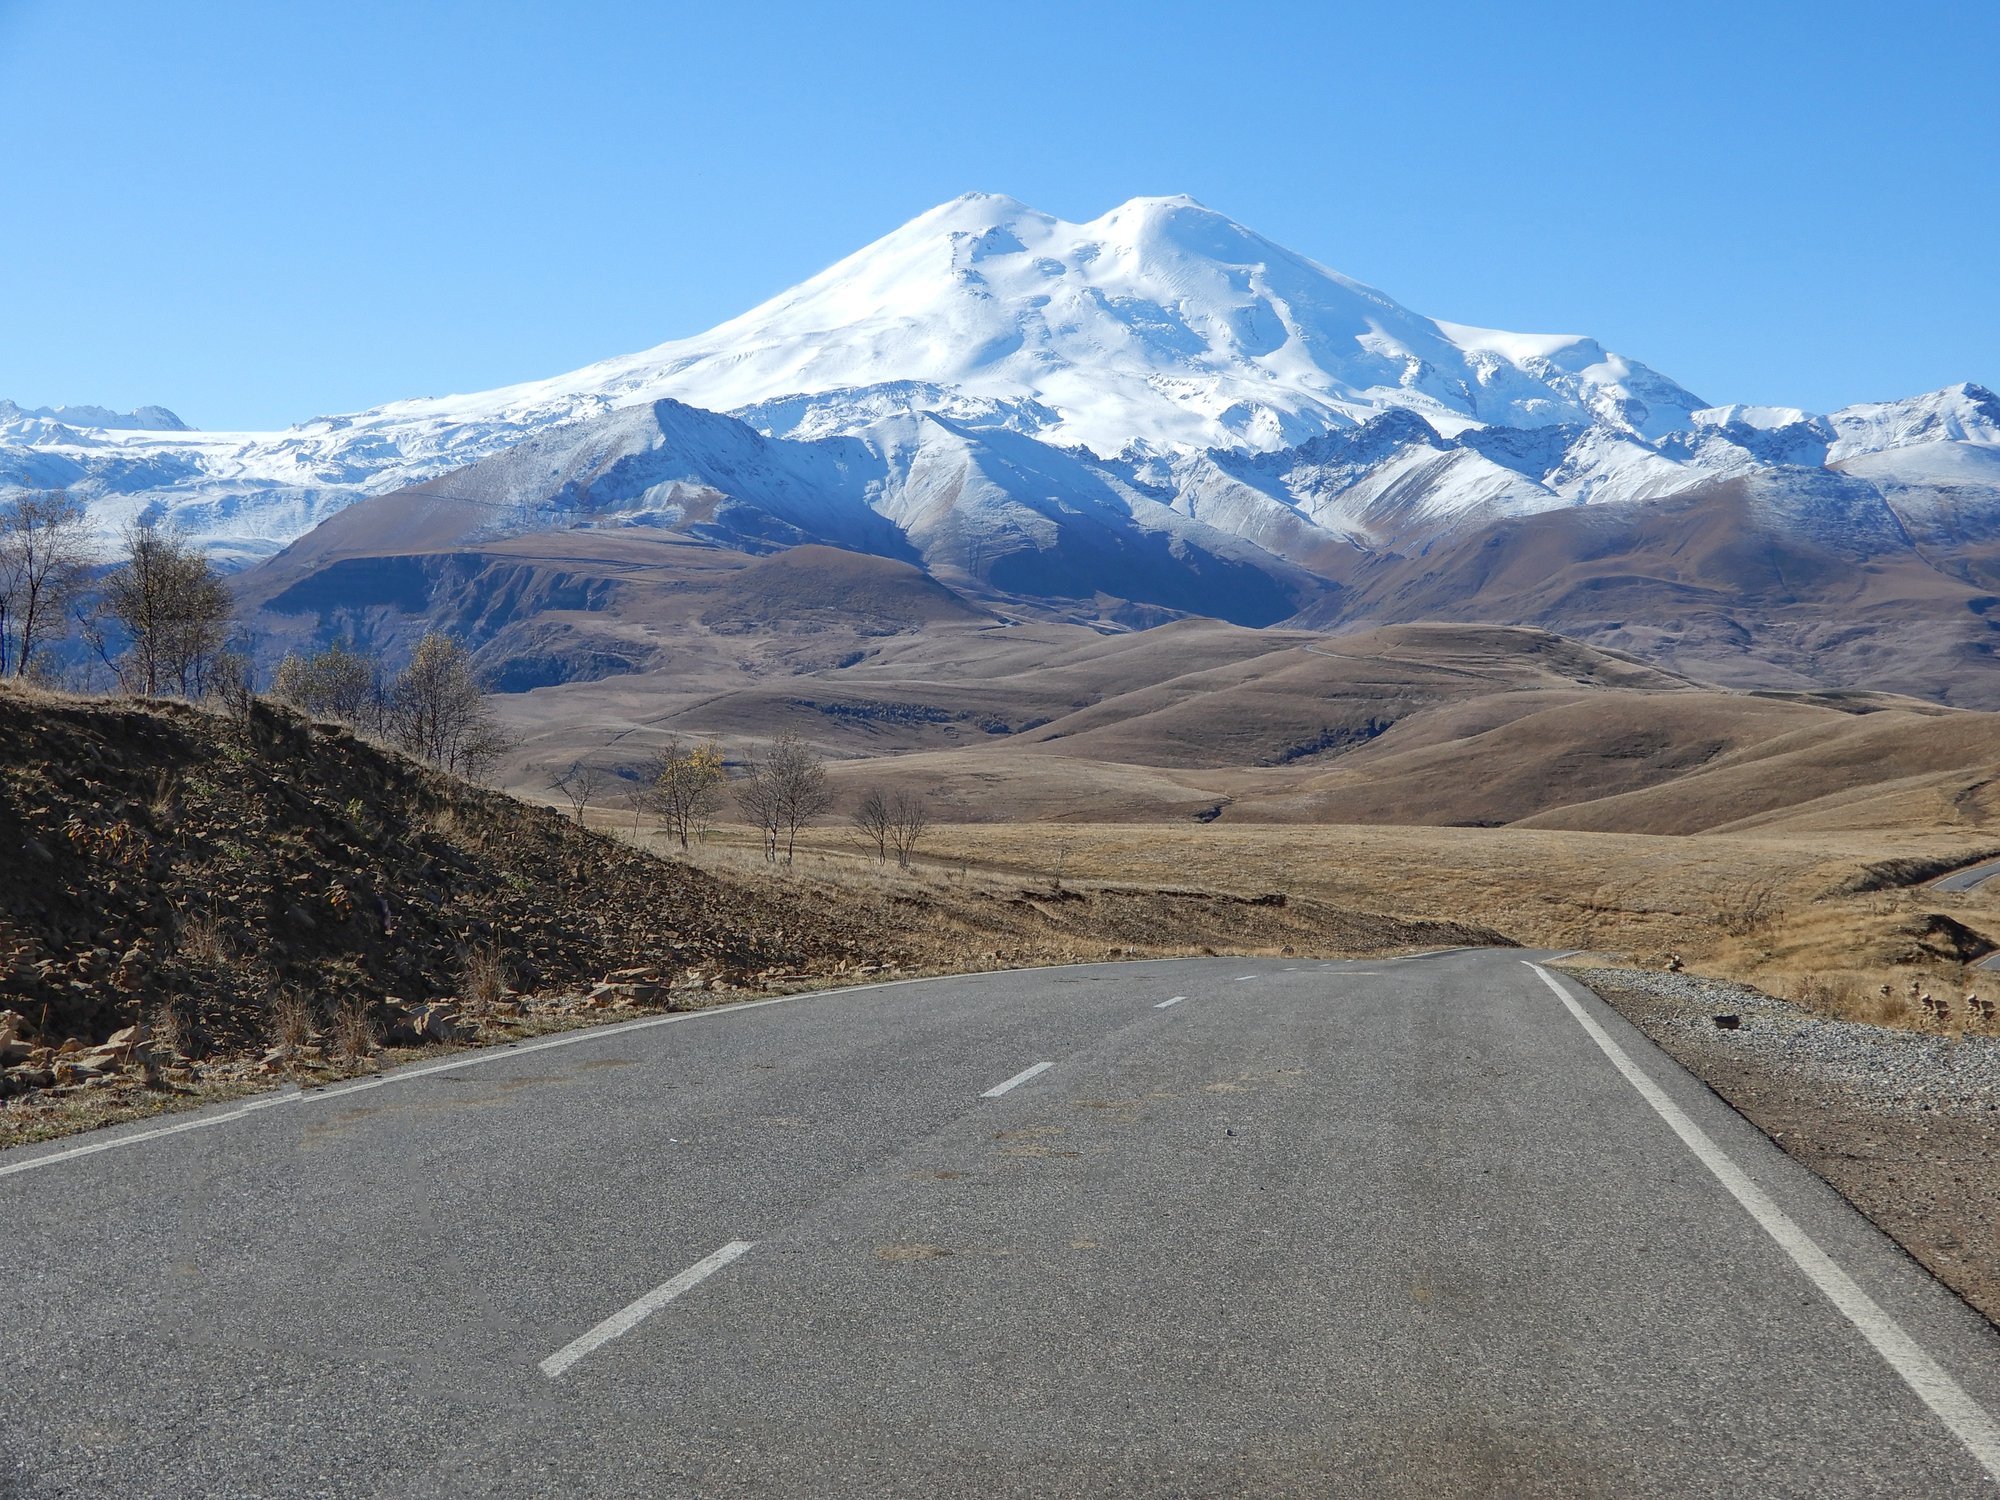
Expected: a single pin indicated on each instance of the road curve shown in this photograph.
(1969, 878)
(1430, 1227)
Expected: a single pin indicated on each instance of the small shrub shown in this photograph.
(291, 1020)
(354, 1033)
(172, 1031)
(199, 939)
(485, 979)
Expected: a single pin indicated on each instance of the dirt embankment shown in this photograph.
(190, 902)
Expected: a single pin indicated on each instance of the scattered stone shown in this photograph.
(438, 1023)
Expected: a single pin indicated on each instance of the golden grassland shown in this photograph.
(1826, 920)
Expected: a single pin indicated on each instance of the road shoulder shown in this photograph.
(1903, 1125)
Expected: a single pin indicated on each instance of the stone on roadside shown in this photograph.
(437, 1022)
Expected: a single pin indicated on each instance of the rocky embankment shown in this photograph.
(186, 893)
(1905, 1124)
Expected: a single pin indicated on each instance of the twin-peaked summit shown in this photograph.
(1162, 325)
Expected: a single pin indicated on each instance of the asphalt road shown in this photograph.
(1400, 1228)
(1968, 878)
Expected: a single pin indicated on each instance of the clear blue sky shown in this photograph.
(258, 212)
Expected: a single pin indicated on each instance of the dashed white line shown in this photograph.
(1967, 1419)
(1017, 1080)
(502, 1054)
(631, 1316)
(1165, 1003)
(1241, 977)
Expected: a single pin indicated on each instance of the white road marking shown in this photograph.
(1165, 1003)
(502, 1054)
(495, 1054)
(1241, 977)
(1943, 1395)
(628, 1318)
(1017, 1080)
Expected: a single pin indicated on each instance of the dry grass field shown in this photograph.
(1826, 920)
(1560, 794)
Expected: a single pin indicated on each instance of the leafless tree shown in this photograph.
(340, 682)
(909, 821)
(45, 551)
(578, 782)
(757, 798)
(786, 790)
(173, 610)
(871, 819)
(438, 710)
(235, 682)
(685, 785)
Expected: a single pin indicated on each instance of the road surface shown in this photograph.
(1431, 1227)
(1967, 878)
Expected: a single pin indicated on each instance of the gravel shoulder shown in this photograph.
(1902, 1124)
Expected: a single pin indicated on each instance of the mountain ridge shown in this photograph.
(1159, 330)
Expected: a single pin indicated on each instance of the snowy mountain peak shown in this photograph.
(1962, 413)
(144, 419)
(1159, 340)
(1162, 323)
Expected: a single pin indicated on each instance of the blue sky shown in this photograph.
(255, 213)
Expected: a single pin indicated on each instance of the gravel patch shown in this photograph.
(1887, 1068)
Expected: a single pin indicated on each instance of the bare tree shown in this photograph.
(235, 682)
(685, 787)
(45, 551)
(173, 610)
(909, 821)
(578, 782)
(786, 790)
(437, 709)
(871, 819)
(758, 799)
(341, 682)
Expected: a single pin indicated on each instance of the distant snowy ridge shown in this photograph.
(1162, 344)
(16, 420)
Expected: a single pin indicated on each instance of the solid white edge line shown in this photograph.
(1165, 1003)
(1017, 1080)
(633, 1314)
(1967, 1419)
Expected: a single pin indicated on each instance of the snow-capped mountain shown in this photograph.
(1162, 354)
(1160, 327)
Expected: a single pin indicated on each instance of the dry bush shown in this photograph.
(165, 806)
(483, 982)
(199, 939)
(1878, 1009)
(172, 1030)
(291, 1024)
(354, 1033)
